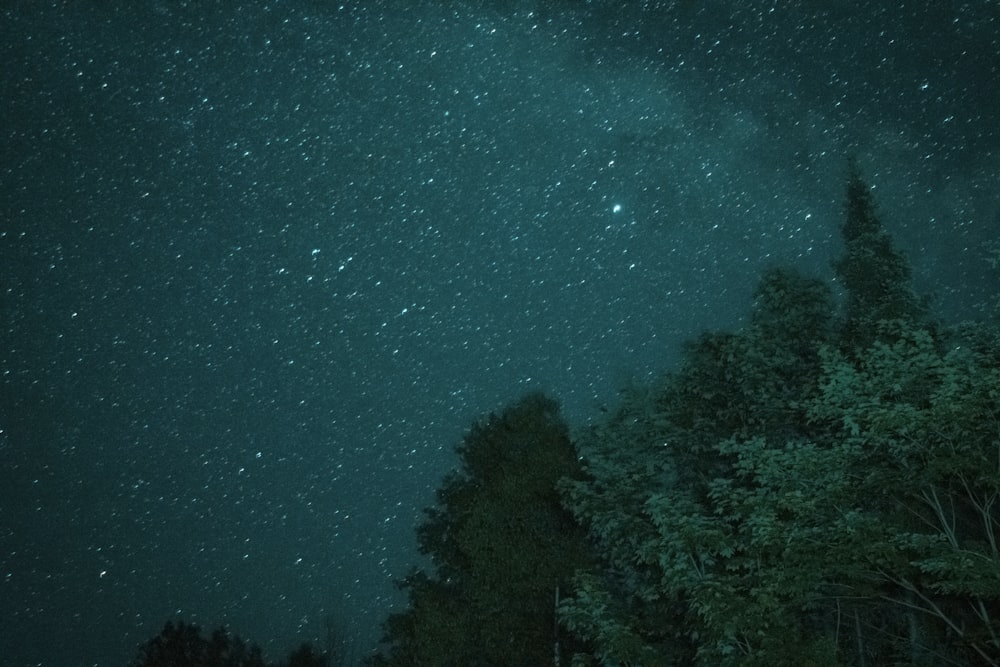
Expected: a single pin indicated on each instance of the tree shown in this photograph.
(874, 274)
(667, 497)
(919, 427)
(307, 656)
(795, 496)
(501, 546)
(180, 644)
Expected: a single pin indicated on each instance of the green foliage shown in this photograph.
(500, 543)
(803, 491)
(666, 487)
(886, 514)
(927, 423)
(752, 382)
(594, 612)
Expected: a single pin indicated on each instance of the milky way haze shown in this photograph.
(262, 265)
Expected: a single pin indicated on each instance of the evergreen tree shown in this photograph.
(501, 545)
(874, 274)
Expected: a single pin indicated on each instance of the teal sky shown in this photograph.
(261, 264)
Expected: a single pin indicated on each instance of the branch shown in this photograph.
(935, 504)
(933, 610)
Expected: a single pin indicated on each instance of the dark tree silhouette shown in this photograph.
(874, 273)
(180, 644)
(501, 544)
(306, 656)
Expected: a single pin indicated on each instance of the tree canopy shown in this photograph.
(812, 489)
(820, 487)
(182, 644)
(873, 272)
(501, 545)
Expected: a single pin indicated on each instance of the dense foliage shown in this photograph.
(809, 490)
(820, 487)
(501, 545)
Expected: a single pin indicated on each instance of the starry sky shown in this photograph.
(262, 264)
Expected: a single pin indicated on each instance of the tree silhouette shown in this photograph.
(181, 644)
(501, 544)
(874, 274)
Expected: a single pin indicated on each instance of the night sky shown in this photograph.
(261, 266)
